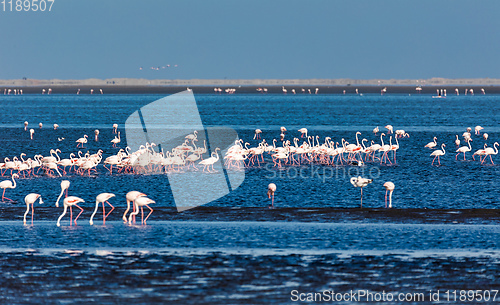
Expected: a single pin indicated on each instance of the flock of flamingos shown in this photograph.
(148, 159)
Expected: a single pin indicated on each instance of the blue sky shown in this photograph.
(253, 39)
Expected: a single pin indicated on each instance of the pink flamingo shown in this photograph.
(271, 188)
(29, 200)
(438, 153)
(70, 201)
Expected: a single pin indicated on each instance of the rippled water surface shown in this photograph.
(442, 233)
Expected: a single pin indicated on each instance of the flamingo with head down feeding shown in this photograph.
(29, 200)
(70, 201)
(141, 202)
(271, 188)
(103, 197)
(389, 187)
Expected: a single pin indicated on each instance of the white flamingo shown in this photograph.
(271, 188)
(361, 183)
(29, 200)
(438, 153)
(103, 197)
(141, 202)
(389, 187)
(6, 184)
(70, 201)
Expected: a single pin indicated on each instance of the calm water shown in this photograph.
(254, 255)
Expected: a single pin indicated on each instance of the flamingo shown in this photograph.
(82, 140)
(283, 89)
(29, 200)
(282, 129)
(489, 151)
(25, 125)
(210, 161)
(56, 126)
(64, 187)
(485, 136)
(456, 90)
(271, 188)
(32, 131)
(389, 187)
(131, 197)
(375, 130)
(477, 129)
(103, 197)
(116, 140)
(463, 149)
(141, 202)
(480, 152)
(40, 125)
(303, 131)
(70, 202)
(389, 128)
(457, 141)
(432, 144)
(438, 153)
(6, 184)
(257, 134)
(115, 128)
(96, 132)
(361, 183)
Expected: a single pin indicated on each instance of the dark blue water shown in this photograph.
(316, 239)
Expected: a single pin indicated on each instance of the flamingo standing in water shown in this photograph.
(103, 197)
(389, 187)
(477, 129)
(303, 131)
(283, 129)
(115, 128)
(70, 201)
(463, 149)
(56, 126)
(257, 134)
(96, 132)
(141, 202)
(131, 197)
(432, 144)
(25, 125)
(210, 161)
(375, 130)
(81, 141)
(6, 184)
(438, 153)
(457, 141)
(489, 151)
(485, 136)
(40, 125)
(361, 183)
(271, 188)
(32, 131)
(64, 187)
(389, 128)
(116, 140)
(29, 200)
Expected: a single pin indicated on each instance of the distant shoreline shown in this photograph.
(301, 86)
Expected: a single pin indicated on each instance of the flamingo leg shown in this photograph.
(81, 210)
(386, 198)
(491, 160)
(361, 197)
(148, 214)
(70, 216)
(32, 212)
(142, 215)
(112, 208)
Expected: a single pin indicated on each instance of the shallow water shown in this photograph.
(235, 250)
